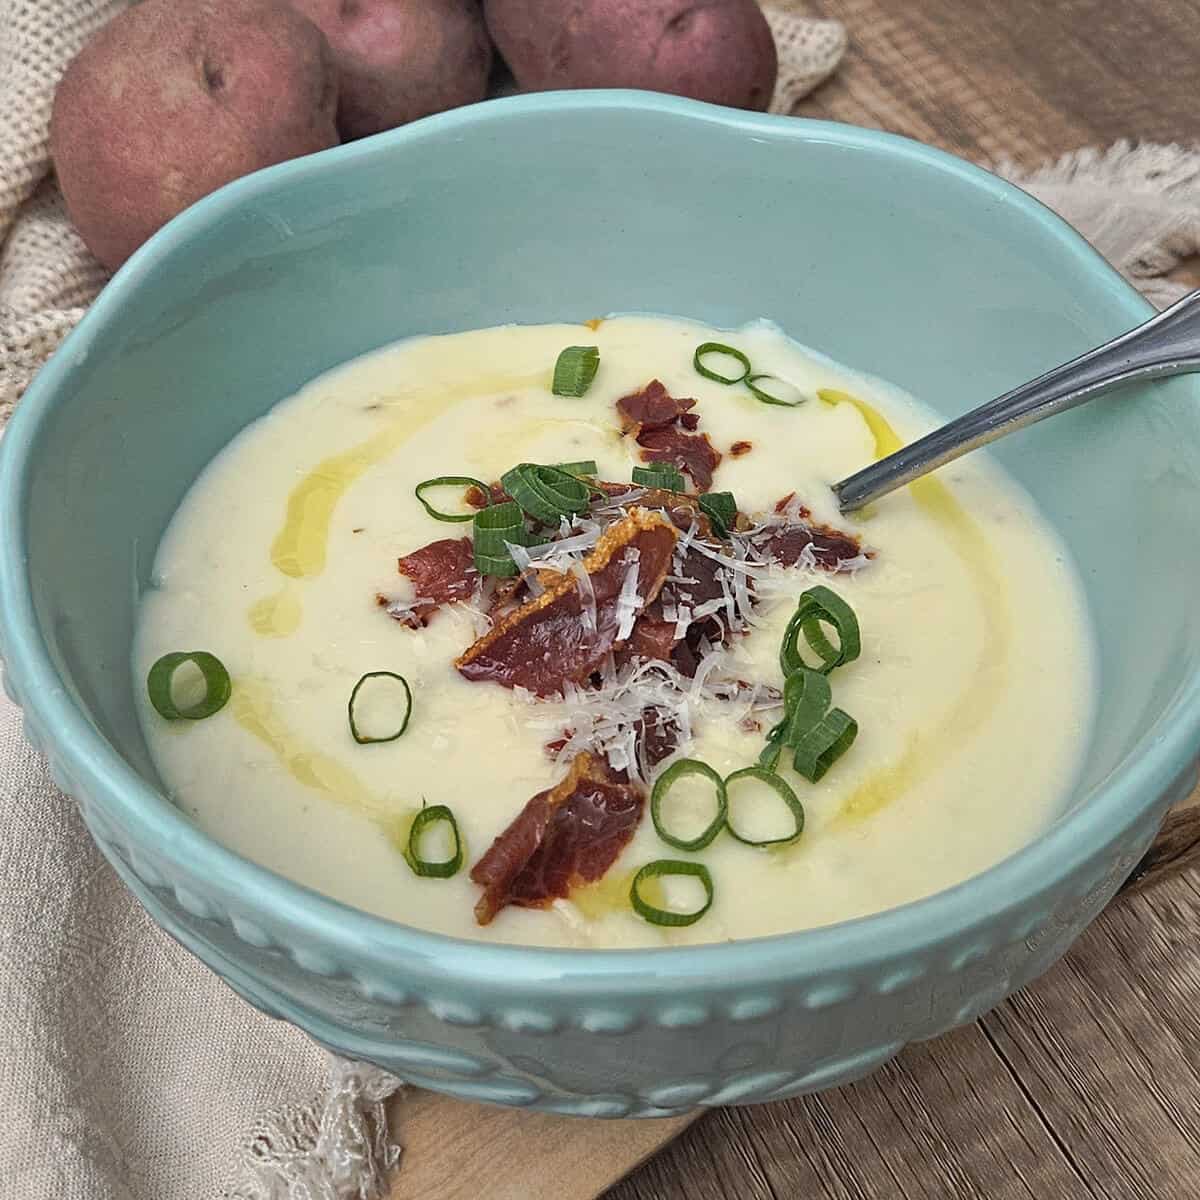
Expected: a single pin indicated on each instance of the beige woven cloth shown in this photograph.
(127, 1070)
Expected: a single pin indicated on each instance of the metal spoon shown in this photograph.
(1168, 344)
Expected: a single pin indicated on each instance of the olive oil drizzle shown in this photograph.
(300, 546)
(979, 700)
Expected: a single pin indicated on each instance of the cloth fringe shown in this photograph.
(336, 1147)
(1138, 204)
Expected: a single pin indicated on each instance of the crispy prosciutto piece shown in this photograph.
(692, 453)
(663, 427)
(564, 837)
(658, 737)
(651, 408)
(785, 544)
(656, 636)
(653, 637)
(564, 634)
(683, 510)
(442, 573)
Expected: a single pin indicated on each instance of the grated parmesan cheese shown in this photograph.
(629, 603)
(587, 596)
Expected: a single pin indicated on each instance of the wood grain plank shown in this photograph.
(1012, 78)
(1108, 1047)
(459, 1151)
(1084, 1085)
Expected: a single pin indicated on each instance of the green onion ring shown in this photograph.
(664, 916)
(816, 605)
(719, 348)
(495, 526)
(217, 686)
(806, 699)
(721, 510)
(661, 475)
(364, 739)
(824, 743)
(546, 493)
(449, 481)
(663, 784)
(587, 467)
(768, 756)
(782, 789)
(432, 868)
(575, 369)
(766, 397)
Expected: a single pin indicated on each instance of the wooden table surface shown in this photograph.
(1086, 1084)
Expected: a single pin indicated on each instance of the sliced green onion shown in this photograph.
(494, 527)
(667, 780)
(546, 493)
(806, 699)
(491, 564)
(364, 739)
(666, 916)
(464, 481)
(768, 757)
(433, 868)
(575, 369)
(820, 604)
(717, 348)
(659, 475)
(587, 467)
(785, 395)
(781, 789)
(721, 509)
(217, 686)
(824, 743)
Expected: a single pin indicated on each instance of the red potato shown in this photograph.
(716, 50)
(171, 100)
(402, 59)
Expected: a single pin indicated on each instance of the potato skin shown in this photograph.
(721, 51)
(402, 59)
(171, 100)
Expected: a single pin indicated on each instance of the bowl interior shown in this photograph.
(889, 257)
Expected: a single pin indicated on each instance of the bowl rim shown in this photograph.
(1100, 819)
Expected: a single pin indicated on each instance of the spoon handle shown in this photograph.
(1167, 344)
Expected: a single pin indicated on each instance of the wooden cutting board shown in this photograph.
(459, 1151)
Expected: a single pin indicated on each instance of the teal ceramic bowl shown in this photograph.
(889, 256)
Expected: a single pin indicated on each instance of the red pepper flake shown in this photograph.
(476, 498)
(740, 448)
(564, 837)
(781, 506)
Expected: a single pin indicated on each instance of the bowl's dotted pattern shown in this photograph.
(487, 1052)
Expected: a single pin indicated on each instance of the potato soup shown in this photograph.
(555, 635)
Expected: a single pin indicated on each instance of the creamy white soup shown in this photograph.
(556, 664)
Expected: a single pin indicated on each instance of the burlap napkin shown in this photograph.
(127, 1070)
